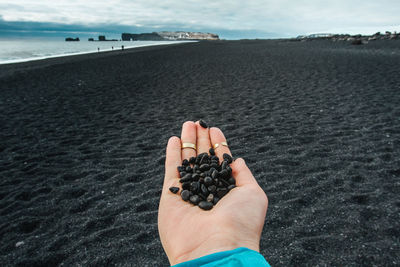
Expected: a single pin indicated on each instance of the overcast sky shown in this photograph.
(262, 18)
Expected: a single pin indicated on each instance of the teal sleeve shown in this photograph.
(231, 258)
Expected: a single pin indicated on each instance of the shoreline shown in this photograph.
(16, 61)
(12, 68)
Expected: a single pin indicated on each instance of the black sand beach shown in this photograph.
(82, 147)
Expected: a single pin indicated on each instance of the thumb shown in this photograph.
(242, 173)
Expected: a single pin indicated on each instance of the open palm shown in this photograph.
(188, 232)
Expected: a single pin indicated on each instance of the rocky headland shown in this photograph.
(168, 36)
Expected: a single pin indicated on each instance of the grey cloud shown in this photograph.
(284, 16)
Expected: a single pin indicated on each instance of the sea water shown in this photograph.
(20, 50)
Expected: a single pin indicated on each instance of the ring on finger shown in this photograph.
(222, 144)
(188, 145)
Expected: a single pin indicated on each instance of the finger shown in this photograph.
(172, 160)
(242, 173)
(217, 136)
(188, 135)
(203, 139)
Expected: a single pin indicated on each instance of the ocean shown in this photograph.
(21, 50)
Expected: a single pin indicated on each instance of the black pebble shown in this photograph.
(224, 174)
(231, 180)
(182, 174)
(225, 183)
(194, 199)
(212, 188)
(181, 168)
(174, 189)
(204, 167)
(185, 194)
(215, 200)
(192, 160)
(194, 187)
(228, 158)
(208, 181)
(186, 186)
(188, 169)
(214, 174)
(212, 151)
(186, 178)
(224, 164)
(185, 162)
(205, 205)
(203, 124)
(204, 159)
(204, 190)
(195, 177)
(214, 165)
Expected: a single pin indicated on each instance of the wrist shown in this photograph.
(213, 245)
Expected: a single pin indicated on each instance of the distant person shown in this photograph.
(112, 47)
(122, 47)
(98, 49)
(228, 234)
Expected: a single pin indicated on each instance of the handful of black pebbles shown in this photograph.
(204, 180)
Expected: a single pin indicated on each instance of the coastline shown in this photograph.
(13, 61)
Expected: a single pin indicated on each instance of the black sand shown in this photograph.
(82, 145)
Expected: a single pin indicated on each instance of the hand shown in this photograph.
(188, 232)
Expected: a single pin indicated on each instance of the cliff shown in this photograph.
(170, 36)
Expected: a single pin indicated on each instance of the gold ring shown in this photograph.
(224, 144)
(216, 146)
(188, 145)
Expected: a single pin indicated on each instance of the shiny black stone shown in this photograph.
(194, 187)
(215, 158)
(208, 181)
(174, 189)
(228, 158)
(185, 194)
(231, 180)
(185, 162)
(186, 186)
(192, 160)
(212, 189)
(203, 190)
(205, 159)
(225, 183)
(204, 167)
(212, 151)
(224, 174)
(214, 165)
(195, 199)
(224, 164)
(181, 168)
(205, 205)
(229, 169)
(215, 200)
(203, 124)
(203, 175)
(186, 178)
(195, 177)
(214, 174)
(182, 174)
(188, 169)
